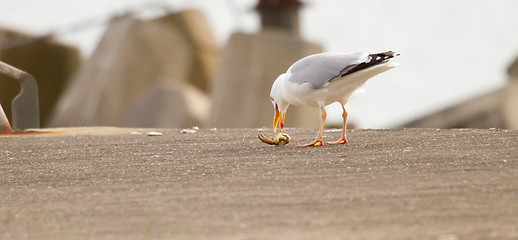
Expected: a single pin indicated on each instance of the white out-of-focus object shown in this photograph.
(153, 133)
(188, 131)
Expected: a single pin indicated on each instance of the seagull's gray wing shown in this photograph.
(319, 69)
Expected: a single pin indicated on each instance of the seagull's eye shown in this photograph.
(271, 99)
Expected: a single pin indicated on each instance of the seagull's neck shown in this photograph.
(280, 86)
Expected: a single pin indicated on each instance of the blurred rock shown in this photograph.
(168, 107)
(484, 111)
(511, 97)
(249, 66)
(497, 109)
(132, 59)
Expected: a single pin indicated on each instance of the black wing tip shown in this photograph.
(385, 55)
(374, 59)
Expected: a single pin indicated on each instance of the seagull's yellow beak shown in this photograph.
(278, 117)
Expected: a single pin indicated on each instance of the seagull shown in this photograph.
(321, 79)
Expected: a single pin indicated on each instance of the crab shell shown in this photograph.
(281, 139)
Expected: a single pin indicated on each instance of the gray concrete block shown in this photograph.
(249, 66)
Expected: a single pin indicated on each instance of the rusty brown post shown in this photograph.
(5, 127)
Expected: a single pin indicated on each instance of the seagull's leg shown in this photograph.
(318, 139)
(343, 138)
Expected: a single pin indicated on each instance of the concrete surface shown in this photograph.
(110, 183)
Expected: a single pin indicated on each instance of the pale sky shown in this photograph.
(450, 50)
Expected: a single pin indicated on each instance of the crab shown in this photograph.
(279, 139)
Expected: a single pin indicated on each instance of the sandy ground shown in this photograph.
(109, 183)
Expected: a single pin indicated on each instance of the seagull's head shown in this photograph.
(279, 102)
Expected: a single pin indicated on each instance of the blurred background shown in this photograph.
(211, 63)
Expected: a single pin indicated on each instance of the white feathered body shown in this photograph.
(316, 79)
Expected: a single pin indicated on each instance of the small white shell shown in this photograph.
(152, 134)
(188, 131)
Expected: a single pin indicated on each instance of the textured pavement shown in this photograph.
(111, 183)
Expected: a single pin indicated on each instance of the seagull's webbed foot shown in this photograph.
(339, 141)
(317, 142)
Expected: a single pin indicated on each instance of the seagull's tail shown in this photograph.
(373, 60)
(384, 55)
